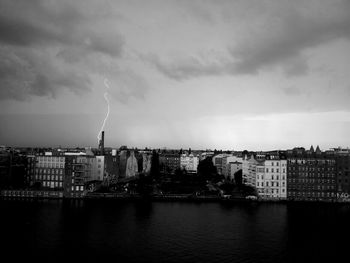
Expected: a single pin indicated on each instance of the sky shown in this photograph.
(224, 74)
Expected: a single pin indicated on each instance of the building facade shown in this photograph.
(189, 162)
(30, 170)
(249, 170)
(343, 176)
(50, 172)
(271, 178)
(220, 162)
(311, 176)
(226, 160)
(232, 168)
(98, 168)
(169, 162)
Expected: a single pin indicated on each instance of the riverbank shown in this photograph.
(37, 195)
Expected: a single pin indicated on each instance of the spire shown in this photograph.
(312, 149)
(318, 149)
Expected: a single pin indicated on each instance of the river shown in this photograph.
(140, 231)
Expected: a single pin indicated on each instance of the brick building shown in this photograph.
(311, 175)
(343, 176)
(169, 162)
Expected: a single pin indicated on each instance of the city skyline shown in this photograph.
(256, 75)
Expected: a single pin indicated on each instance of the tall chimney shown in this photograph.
(102, 143)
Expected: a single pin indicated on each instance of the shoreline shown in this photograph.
(47, 195)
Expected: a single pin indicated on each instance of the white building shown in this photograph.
(98, 168)
(189, 162)
(232, 168)
(249, 170)
(271, 179)
(219, 162)
(226, 160)
(50, 171)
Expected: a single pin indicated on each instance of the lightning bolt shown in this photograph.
(105, 95)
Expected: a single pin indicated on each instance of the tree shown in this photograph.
(179, 172)
(238, 177)
(249, 190)
(227, 187)
(245, 153)
(155, 169)
(206, 168)
(144, 185)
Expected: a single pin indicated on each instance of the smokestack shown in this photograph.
(102, 143)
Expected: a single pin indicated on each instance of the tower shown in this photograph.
(101, 145)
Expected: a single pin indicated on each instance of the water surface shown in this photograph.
(99, 230)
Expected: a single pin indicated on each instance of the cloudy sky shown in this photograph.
(229, 74)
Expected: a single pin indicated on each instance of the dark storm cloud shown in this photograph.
(36, 37)
(27, 72)
(279, 38)
(128, 84)
(284, 43)
(26, 23)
